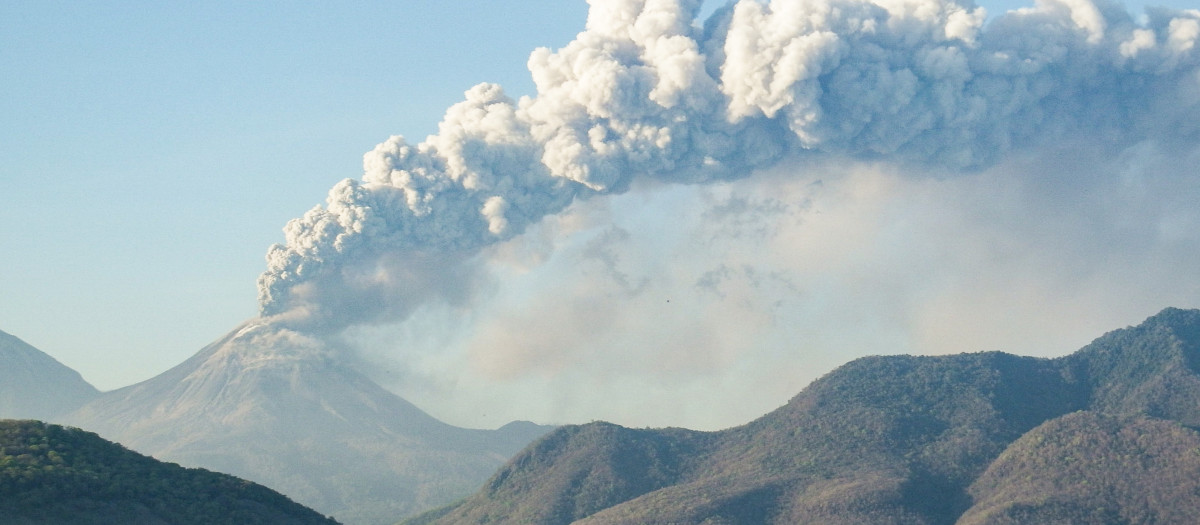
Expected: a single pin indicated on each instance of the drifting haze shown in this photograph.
(858, 178)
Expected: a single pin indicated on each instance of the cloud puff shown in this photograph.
(645, 93)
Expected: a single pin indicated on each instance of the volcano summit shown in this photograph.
(274, 406)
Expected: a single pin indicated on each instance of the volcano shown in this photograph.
(274, 406)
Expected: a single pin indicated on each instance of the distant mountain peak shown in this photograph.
(34, 385)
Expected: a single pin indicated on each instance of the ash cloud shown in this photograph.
(645, 93)
(1036, 255)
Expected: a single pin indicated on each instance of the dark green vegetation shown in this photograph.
(51, 474)
(1104, 435)
(35, 386)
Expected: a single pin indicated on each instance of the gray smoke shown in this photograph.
(646, 93)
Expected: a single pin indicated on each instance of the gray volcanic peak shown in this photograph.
(1105, 435)
(34, 385)
(272, 406)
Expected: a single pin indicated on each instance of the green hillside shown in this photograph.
(50, 474)
(896, 439)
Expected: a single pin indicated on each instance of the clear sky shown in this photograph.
(151, 152)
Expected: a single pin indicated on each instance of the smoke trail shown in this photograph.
(643, 92)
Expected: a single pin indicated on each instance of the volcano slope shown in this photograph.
(1105, 435)
(276, 407)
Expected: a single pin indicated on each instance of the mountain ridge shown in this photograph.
(882, 439)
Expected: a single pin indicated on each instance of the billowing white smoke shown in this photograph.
(643, 92)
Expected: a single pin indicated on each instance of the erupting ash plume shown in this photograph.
(644, 92)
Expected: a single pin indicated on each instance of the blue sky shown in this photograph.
(152, 152)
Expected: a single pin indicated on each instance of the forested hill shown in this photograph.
(57, 475)
(1105, 435)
